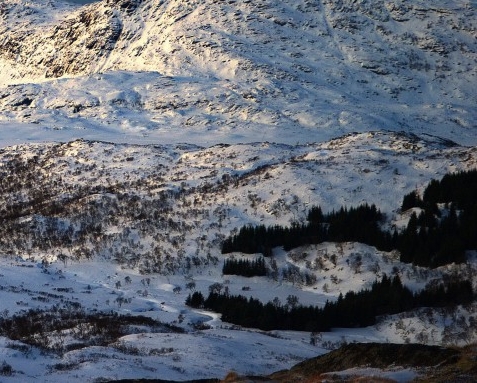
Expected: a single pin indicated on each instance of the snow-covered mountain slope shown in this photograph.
(240, 104)
(133, 230)
(206, 347)
(237, 71)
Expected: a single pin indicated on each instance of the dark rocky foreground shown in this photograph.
(433, 364)
(437, 364)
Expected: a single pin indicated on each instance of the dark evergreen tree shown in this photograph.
(315, 215)
(355, 309)
(245, 267)
(196, 300)
(411, 200)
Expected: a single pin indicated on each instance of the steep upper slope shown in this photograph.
(328, 66)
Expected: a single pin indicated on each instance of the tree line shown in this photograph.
(437, 236)
(360, 224)
(355, 309)
(245, 267)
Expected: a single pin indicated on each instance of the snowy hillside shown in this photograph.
(240, 71)
(152, 206)
(134, 229)
(137, 135)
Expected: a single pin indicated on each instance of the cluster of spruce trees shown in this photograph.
(436, 237)
(245, 267)
(359, 309)
(440, 236)
(360, 224)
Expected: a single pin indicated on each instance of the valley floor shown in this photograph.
(205, 347)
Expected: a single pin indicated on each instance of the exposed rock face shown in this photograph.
(143, 33)
(72, 46)
(435, 364)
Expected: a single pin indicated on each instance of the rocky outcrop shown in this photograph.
(73, 46)
(432, 364)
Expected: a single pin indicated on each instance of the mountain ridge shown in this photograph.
(313, 70)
